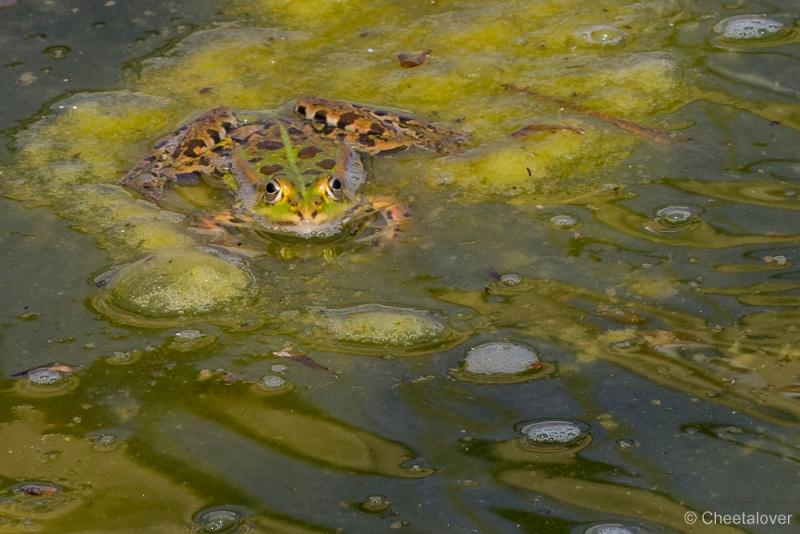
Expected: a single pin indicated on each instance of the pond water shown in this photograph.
(589, 323)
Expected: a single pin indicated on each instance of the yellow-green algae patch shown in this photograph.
(89, 138)
(387, 326)
(251, 68)
(176, 283)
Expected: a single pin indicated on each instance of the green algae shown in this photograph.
(176, 283)
(280, 49)
(382, 325)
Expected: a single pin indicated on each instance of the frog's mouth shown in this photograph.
(340, 228)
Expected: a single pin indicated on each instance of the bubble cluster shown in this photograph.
(45, 377)
(744, 28)
(501, 362)
(46, 381)
(377, 324)
(555, 434)
(507, 358)
(189, 340)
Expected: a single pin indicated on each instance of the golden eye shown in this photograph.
(335, 188)
(273, 192)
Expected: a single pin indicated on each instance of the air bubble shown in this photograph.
(601, 35)
(375, 503)
(222, 520)
(673, 219)
(564, 221)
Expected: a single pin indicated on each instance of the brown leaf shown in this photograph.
(655, 135)
(533, 128)
(7, 3)
(414, 60)
(302, 359)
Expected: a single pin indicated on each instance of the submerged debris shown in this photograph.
(655, 135)
(414, 60)
(302, 359)
(544, 127)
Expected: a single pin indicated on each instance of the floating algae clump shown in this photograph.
(175, 283)
(376, 324)
(89, 138)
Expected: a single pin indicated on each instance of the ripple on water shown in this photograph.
(673, 219)
(501, 363)
(753, 29)
(375, 504)
(612, 528)
(222, 519)
(555, 435)
(601, 36)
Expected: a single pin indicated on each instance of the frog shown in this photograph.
(299, 176)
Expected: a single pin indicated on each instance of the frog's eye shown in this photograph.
(335, 189)
(272, 192)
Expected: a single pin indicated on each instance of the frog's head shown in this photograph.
(296, 184)
(319, 201)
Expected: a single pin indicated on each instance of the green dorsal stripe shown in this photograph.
(291, 159)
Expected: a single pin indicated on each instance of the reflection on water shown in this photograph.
(589, 325)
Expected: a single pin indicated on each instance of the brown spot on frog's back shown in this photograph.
(347, 118)
(269, 145)
(194, 148)
(268, 170)
(326, 164)
(308, 152)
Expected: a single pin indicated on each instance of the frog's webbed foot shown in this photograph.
(390, 220)
(376, 131)
(193, 150)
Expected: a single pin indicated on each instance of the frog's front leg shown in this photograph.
(194, 149)
(217, 223)
(390, 219)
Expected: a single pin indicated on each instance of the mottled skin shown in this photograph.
(298, 176)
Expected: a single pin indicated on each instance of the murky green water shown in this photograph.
(625, 215)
